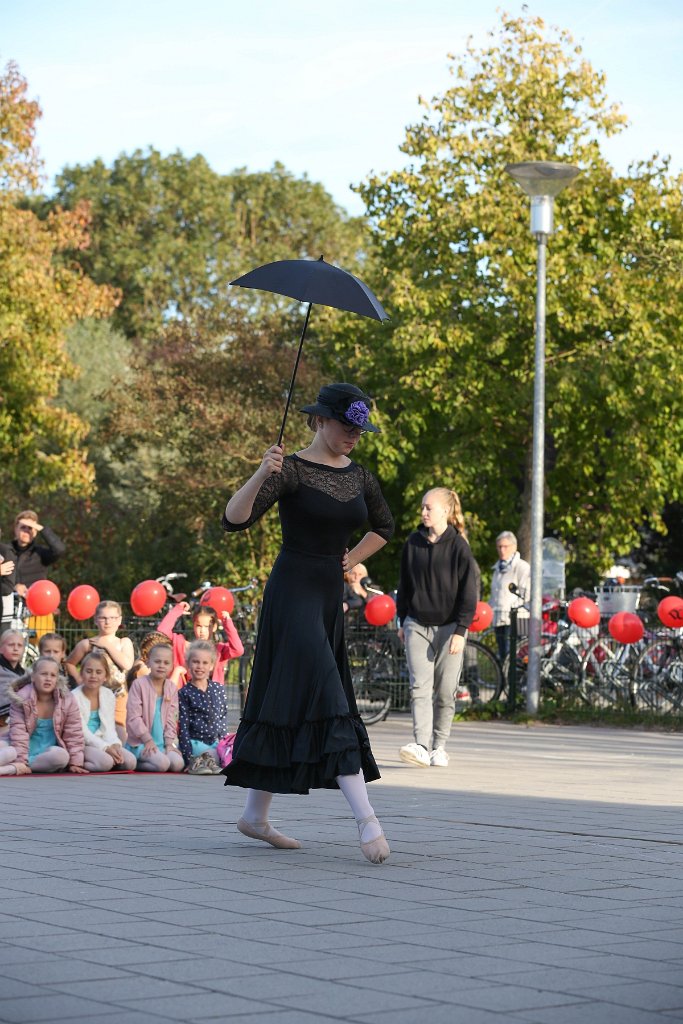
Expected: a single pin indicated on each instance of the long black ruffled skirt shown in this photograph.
(301, 727)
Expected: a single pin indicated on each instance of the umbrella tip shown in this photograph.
(321, 259)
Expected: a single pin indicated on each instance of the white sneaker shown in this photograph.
(413, 753)
(438, 758)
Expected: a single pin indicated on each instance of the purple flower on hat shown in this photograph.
(357, 413)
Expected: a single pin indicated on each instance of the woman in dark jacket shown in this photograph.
(31, 558)
(7, 582)
(437, 599)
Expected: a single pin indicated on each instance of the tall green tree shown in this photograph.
(172, 233)
(200, 392)
(41, 443)
(454, 263)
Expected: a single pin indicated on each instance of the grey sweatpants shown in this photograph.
(434, 678)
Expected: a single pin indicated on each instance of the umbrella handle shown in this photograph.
(296, 367)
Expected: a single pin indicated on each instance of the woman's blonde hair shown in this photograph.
(7, 633)
(201, 645)
(62, 684)
(51, 636)
(102, 658)
(153, 639)
(103, 605)
(451, 502)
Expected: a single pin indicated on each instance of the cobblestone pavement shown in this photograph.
(537, 879)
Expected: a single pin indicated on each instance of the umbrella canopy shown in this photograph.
(313, 281)
(317, 282)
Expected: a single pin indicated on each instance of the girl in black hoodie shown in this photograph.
(437, 599)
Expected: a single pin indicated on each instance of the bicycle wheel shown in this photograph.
(482, 674)
(606, 673)
(561, 671)
(372, 671)
(658, 677)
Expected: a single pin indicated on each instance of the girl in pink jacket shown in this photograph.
(152, 715)
(205, 624)
(44, 722)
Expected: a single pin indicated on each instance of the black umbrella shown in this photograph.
(313, 281)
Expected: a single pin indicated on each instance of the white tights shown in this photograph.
(8, 756)
(352, 786)
(97, 760)
(171, 761)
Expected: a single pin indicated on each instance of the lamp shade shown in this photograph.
(542, 177)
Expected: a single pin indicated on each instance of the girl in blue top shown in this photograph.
(152, 715)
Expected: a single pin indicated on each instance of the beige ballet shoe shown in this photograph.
(268, 834)
(375, 850)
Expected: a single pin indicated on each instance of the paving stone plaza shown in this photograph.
(537, 879)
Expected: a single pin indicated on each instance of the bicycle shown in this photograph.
(244, 615)
(560, 657)
(608, 666)
(380, 677)
(658, 675)
(375, 668)
(658, 671)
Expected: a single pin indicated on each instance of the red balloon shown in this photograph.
(626, 628)
(147, 598)
(584, 612)
(670, 611)
(43, 597)
(483, 617)
(218, 598)
(380, 609)
(82, 601)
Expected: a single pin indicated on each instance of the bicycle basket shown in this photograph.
(611, 600)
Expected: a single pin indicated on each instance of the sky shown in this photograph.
(327, 88)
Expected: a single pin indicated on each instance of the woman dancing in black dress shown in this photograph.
(301, 729)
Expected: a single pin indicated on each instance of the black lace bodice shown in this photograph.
(321, 506)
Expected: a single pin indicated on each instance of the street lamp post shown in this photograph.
(542, 181)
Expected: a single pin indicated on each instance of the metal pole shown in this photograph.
(537, 487)
(512, 663)
(296, 367)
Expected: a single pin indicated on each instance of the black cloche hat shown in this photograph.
(343, 402)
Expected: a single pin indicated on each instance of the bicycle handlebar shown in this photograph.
(171, 576)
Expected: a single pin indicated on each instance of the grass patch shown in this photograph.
(553, 711)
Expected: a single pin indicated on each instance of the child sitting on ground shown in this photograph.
(203, 712)
(12, 645)
(53, 645)
(140, 668)
(205, 625)
(97, 704)
(152, 715)
(44, 724)
(118, 649)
